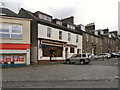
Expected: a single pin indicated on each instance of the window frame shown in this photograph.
(49, 32)
(10, 29)
(77, 38)
(69, 36)
(60, 35)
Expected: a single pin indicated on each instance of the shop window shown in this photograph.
(1, 58)
(15, 58)
(8, 58)
(72, 50)
(46, 50)
(21, 58)
(52, 50)
(59, 51)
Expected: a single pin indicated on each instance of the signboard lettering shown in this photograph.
(8, 58)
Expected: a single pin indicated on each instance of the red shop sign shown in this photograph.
(21, 58)
(15, 58)
(1, 58)
(8, 58)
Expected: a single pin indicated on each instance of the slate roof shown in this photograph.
(7, 12)
(44, 22)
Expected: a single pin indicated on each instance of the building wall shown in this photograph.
(42, 34)
(101, 44)
(91, 43)
(12, 50)
(16, 21)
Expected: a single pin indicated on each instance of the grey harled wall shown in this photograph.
(33, 54)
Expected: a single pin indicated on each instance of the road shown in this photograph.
(98, 74)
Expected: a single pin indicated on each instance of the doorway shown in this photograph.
(66, 52)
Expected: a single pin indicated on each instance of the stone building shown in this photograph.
(99, 41)
(92, 43)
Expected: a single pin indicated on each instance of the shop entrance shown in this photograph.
(66, 52)
(52, 54)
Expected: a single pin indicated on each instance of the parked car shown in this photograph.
(104, 55)
(84, 58)
(95, 57)
(115, 54)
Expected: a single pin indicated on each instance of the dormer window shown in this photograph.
(49, 19)
(59, 22)
(41, 16)
(44, 17)
(70, 26)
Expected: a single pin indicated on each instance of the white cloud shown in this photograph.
(103, 12)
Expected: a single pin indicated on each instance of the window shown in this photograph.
(41, 16)
(70, 26)
(46, 50)
(16, 32)
(49, 19)
(48, 32)
(96, 40)
(4, 31)
(45, 17)
(76, 38)
(73, 27)
(71, 49)
(59, 22)
(59, 51)
(92, 39)
(60, 34)
(69, 36)
(87, 37)
(10, 31)
(4, 28)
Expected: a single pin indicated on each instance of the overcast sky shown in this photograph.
(103, 12)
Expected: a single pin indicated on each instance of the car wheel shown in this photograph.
(68, 62)
(82, 62)
(73, 62)
(87, 62)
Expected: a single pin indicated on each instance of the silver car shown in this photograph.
(104, 55)
(84, 58)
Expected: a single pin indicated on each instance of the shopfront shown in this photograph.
(50, 52)
(15, 57)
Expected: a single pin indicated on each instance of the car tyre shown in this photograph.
(82, 62)
(67, 61)
(87, 62)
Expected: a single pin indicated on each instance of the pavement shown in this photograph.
(98, 74)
